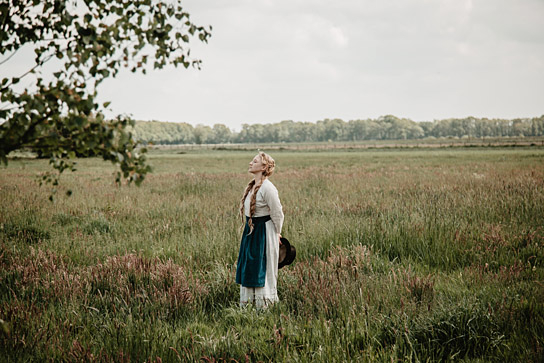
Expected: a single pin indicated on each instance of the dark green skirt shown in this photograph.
(251, 267)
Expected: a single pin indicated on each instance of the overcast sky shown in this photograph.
(306, 60)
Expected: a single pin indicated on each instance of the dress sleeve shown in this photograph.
(270, 195)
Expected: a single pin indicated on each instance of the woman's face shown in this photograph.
(256, 165)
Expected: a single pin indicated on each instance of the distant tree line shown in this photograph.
(383, 128)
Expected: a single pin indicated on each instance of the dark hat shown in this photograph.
(287, 253)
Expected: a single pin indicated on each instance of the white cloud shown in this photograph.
(421, 59)
(305, 60)
(340, 39)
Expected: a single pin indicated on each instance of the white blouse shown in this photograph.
(267, 203)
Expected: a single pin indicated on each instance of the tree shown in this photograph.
(222, 134)
(334, 129)
(203, 134)
(91, 40)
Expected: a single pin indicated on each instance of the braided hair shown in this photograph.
(270, 165)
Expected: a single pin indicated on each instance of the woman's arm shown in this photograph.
(271, 197)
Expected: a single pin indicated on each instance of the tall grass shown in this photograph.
(401, 255)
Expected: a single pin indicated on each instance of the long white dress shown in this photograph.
(267, 203)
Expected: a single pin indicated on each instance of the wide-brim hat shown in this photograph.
(288, 253)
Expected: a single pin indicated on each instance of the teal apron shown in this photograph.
(251, 267)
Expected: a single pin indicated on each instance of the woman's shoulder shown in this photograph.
(267, 185)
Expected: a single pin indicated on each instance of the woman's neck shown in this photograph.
(258, 178)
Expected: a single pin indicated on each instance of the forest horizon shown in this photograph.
(387, 127)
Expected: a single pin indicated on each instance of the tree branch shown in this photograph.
(7, 148)
(8, 58)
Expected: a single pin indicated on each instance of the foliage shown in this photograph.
(402, 255)
(87, 42)
(384, 128)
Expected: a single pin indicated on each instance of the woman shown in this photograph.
(257, 269)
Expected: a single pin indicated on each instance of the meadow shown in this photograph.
(413, 254)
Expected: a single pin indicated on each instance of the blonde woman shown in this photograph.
(257, 268)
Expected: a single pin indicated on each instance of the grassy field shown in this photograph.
(442, 142)
(402, 255)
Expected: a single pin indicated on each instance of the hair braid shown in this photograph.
(246, 192)
(253, 205)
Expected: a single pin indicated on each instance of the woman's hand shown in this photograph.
(279, 238)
